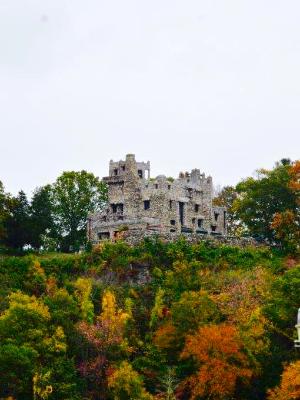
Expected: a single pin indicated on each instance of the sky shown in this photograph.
(209, 84)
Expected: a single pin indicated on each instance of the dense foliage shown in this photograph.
(154, 321)
(55, 218)
(266, 207)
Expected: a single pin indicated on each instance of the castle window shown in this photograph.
(213, 228)
(146, 204)
(114, 208)
(103, 235)
(172, 222)
(123, 167)
(170, 205)
(193, 220)
(224, 219)
(169, 187)
(200, 223)
(156, 186)
(116, 171)
(216, 216)
(140, 173)
(196, 208)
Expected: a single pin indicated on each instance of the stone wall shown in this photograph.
(134, 238)
(137, 202)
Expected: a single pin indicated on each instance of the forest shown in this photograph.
(155, 321)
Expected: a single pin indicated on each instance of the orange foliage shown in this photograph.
(165, 336)
(217, 351)
(295, 175)
(289, 388)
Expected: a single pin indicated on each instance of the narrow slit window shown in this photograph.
(146, 204)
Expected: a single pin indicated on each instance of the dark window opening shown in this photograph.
(103, 235)
(156, 186)
(170, 205)
(200, 223)
(172, 230)
(213, 228)
(193, 220)
(172, 222)
(117, 208)
(216, 216)
(123, 167)
(224, 219)
(196, 208)
(146, 204)
(169, 187)
(181, 212)
(116, 171)
(140, 173)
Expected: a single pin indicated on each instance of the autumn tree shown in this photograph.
(217, 351)
(289, 388)
(126, 384)
(286, 224)
(106, 343)
(260, 198)
(29, 346)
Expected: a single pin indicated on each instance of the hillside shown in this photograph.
(154, 321)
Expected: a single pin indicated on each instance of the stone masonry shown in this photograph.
(138, 204)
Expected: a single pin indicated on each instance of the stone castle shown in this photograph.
(161, 205)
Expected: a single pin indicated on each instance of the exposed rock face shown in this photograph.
(141, 206)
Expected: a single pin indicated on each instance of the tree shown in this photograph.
(218, 354)
(3, 212)
(17, 222)
(289, 388)
(106, 343)
(74, 196)
(262, 197)
(26, 343)
(286, 224)
(41, 216)
(226, 198)
(126, 384)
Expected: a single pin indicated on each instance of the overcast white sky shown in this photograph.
(190, 83)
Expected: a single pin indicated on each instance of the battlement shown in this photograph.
(121, 167)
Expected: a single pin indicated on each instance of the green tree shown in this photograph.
(41, 216)
(262, 197)
(75, 195)
(17, 223)
(30, 347)
(3, 214)
(226, 198)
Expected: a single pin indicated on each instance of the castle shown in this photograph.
(138, 203)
